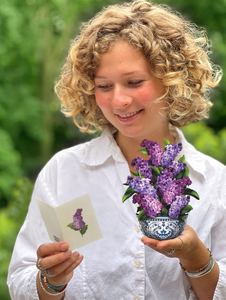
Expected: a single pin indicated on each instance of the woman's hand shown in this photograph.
(59, 260)
(183, 250)
(193, 255)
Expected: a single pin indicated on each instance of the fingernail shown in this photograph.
(64, 247)
(76, 254)
(68, 253)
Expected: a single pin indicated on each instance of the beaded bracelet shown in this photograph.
(53, 290)
(56, 293)
(202, 271)
(52, 286)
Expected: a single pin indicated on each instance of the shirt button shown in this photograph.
(136, 298)
(137, 263)
(137, 228)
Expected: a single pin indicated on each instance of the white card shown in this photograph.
(60, 226)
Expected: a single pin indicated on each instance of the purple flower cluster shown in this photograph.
(176, 167)
(78, 222)
(170, 153)
(149, 204)
(159, 184)
(158, 156)
(143, 166)
(175, 189)
(155, 152)
(141, 185)
(164, 180)
(178, 204)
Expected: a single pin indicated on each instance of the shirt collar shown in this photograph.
(105, 146)
(192, 157)
(101, 148)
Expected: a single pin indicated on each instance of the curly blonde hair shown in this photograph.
(176, 49)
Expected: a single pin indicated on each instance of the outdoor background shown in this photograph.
(34, 39)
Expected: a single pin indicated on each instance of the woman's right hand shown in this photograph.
(59, 260)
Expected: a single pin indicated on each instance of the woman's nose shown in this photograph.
(120, 97)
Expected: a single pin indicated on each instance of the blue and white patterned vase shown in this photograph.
(162, 228)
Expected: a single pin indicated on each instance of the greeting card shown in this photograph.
(74, 222)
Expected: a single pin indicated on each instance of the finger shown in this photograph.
(150, 242)
(53, 260)
(61, 267)
(64, 270)
(52, 248)
(164, 246)
(74, 265)
(170, 244)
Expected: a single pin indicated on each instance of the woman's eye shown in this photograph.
(103, 86)
(137, 82)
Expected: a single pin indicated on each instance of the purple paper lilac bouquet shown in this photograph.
(78, 224)
(160, 184)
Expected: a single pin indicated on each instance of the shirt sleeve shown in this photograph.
(218, 238)
(22, 270)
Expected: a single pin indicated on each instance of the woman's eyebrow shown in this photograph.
(100, 77)
(124, 74)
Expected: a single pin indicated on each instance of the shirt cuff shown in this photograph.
(192, 294)
(220, 291)
(23, 283)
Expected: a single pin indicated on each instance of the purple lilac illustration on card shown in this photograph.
(78, 224)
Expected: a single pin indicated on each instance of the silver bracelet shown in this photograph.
(206, 271)
(51, 294)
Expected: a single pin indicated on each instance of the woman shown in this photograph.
(139, 71)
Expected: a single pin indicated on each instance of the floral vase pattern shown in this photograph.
(162, 227)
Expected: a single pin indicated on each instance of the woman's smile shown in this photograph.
(128, 117)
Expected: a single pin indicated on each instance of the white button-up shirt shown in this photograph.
(119, 266)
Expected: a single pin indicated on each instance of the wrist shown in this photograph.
(50, 289)
(199, 263)
(196, 258)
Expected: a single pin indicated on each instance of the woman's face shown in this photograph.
(125, 91)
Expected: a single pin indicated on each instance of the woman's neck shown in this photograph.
(130, 145)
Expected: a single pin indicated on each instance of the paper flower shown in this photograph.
(160, 184)
(78, 224)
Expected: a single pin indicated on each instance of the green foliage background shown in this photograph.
(34, 39)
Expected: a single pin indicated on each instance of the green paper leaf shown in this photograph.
(141, 176)
(135, 174)
(155, 172)
(186, 209)
(191, 192)
(182, 159)
(83, 230)
(142, 215)
(181, 174)
(139, 209)
(70, 225)
(166, 142)
(186, 172)
(128, 193)
(164, 212)
(160, 168)
(145, 151)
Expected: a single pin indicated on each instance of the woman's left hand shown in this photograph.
(185, 245)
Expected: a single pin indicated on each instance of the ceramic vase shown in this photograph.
(163, 227)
